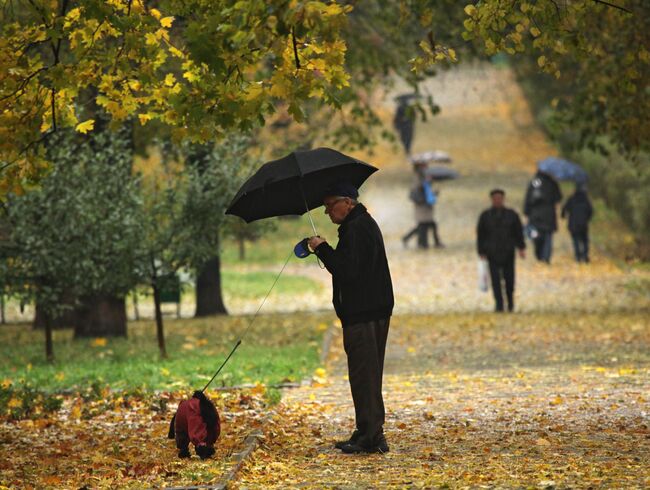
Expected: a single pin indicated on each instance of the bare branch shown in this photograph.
(23, 84)
(603, 2)
(295, 48)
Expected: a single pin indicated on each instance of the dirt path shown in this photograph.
(553, 396)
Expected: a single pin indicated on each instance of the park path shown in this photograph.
(557, 395)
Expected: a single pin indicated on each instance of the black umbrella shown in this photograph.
(441, 173)
(296, 183)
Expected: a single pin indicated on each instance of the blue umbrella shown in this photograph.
(563, 169)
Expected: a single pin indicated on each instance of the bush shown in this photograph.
(25, 402)
(623, 184)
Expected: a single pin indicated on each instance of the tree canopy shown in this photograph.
(199, 66)
(204, 68)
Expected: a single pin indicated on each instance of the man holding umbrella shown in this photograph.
(363, 291)
(363, 300)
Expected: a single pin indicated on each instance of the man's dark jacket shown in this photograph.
(579, 209)
(542, 195)
(362, 287)
(499, 232)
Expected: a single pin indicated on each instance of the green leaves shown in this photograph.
(591, 46)
(124, 53)
(77, 234)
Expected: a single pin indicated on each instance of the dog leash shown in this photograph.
(250, 324)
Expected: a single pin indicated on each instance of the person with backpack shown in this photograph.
(424, 199)
(579, 210)
(542, 196)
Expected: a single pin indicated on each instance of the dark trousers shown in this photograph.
(422, 231)
(544, 246)
(581, 245)
(503, 270)
(365, 346)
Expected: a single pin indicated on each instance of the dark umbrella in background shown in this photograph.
(562, 169)
(441, 173)
(295, 184)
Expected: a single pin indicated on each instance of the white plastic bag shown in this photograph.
(483, 275)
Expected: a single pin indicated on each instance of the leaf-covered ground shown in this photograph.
(556, 395)
(528, 400)
(118, 441)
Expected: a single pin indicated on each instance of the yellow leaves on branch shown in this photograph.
(470, 10)
(167, 21)
(85, 126)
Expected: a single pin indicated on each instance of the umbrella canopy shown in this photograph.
(296, 183)
(441, 173)
(406, 98)
(562, 169)
(427, 157)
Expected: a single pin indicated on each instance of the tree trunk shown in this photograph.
(49, 349)
(160, 333)
(209, 299)
(2, 309)
(66, 318)
(136, 310)
(101, 316)
(242, 248)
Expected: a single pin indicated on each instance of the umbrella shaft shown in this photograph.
(313, 227)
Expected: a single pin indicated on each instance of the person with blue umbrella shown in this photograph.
(542, 196)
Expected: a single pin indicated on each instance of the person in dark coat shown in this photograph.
(363, 300)
(404, 121)
(499, 233)
(542, 196)
(579, 210)
(196, 421)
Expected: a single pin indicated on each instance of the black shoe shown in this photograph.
(184, 453)
(352, 440)
(381, 447)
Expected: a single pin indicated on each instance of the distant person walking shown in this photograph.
(499, 233)
(404, 121)
(579, 210)
(424, 199)
(542, 196)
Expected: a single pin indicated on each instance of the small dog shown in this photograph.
(196, 421)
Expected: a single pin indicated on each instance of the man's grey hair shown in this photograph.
(352, 200)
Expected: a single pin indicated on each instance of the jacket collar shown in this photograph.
(355, 212)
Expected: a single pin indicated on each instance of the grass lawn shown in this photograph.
(278, 243)
(277, 348)
(256, 284)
